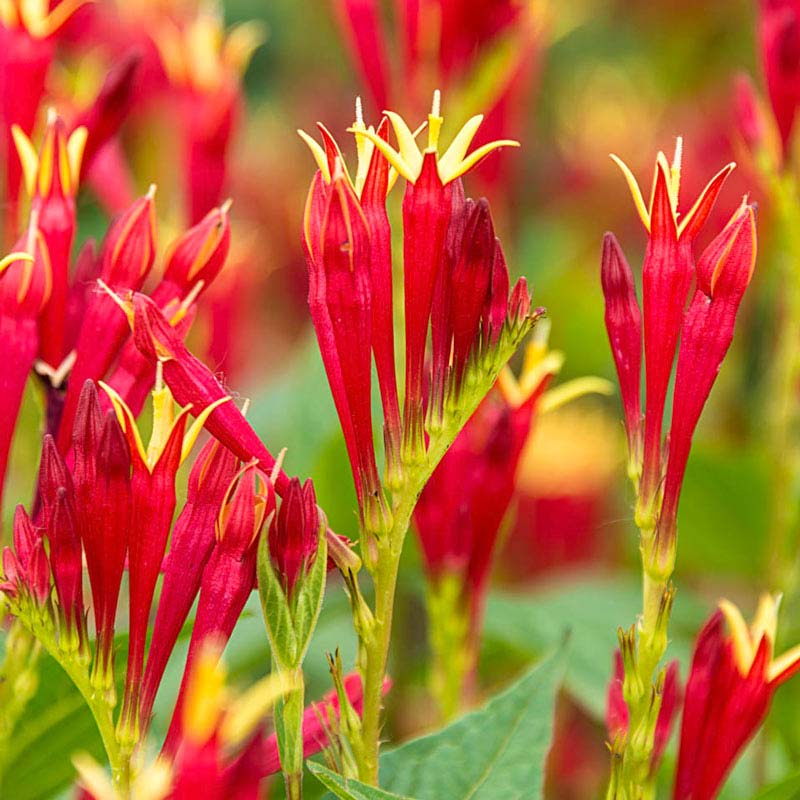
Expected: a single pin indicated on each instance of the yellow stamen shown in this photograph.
(435, 121)
(572, 390)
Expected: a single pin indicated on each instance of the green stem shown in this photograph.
(448, 623)
(291, 711)
(784, 409)
(75, 665)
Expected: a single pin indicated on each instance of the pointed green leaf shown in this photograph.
(495, 753)
(349, 789)
(275, 607)
(787, 789)
(310, 592)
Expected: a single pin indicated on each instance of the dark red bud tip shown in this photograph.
(129, 246)
(53, 472)
(519, 304)
(25, 535)
(200, 253)
(726, 266)
(294, 532)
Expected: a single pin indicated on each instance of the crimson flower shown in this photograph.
(731, 682)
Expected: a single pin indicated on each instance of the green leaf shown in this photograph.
(349, 789)
(495, 753)
(787, 789)
(56, 724)
(275, 607)
(591, 609)
(310, 592)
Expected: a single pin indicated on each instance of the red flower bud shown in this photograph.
(624, 326)
(294, 534)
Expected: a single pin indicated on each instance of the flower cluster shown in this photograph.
(705, 331)
(456, 289)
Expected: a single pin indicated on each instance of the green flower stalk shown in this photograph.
(292, 564)
(705, 330)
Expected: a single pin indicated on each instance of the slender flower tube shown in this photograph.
(229, 574)
(340, 293)
(192, 383)
(24, 290)
(126, 258)
(153, 492)
(192, 542)
(101, 475)
(723, 274)
(731, 682)
(51, 178)
(624, 326)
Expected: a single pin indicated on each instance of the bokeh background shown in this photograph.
(623, 77)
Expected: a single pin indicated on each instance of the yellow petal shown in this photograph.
(246, 712)
(240, 44)
(636, 192)
(75, 147)
(457, 150)
(743, 647)
(27, 157)
(124, 417)
(194, 431)
(572, 390)
(318, 153)
(474, 157)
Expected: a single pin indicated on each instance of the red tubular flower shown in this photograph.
(193, 383)
(58, 513)
(190, 547)
(723, 273)
(101, 474)
(779, 36)
(624, 325)
(127, 256)
(24, 290)
(617, 710)
(341, 295)
(732, 680)
(153, 492)
(193, 261)
(51, 178)
(373, 204)
(228, 576)
(293, 534)
(667, 275)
